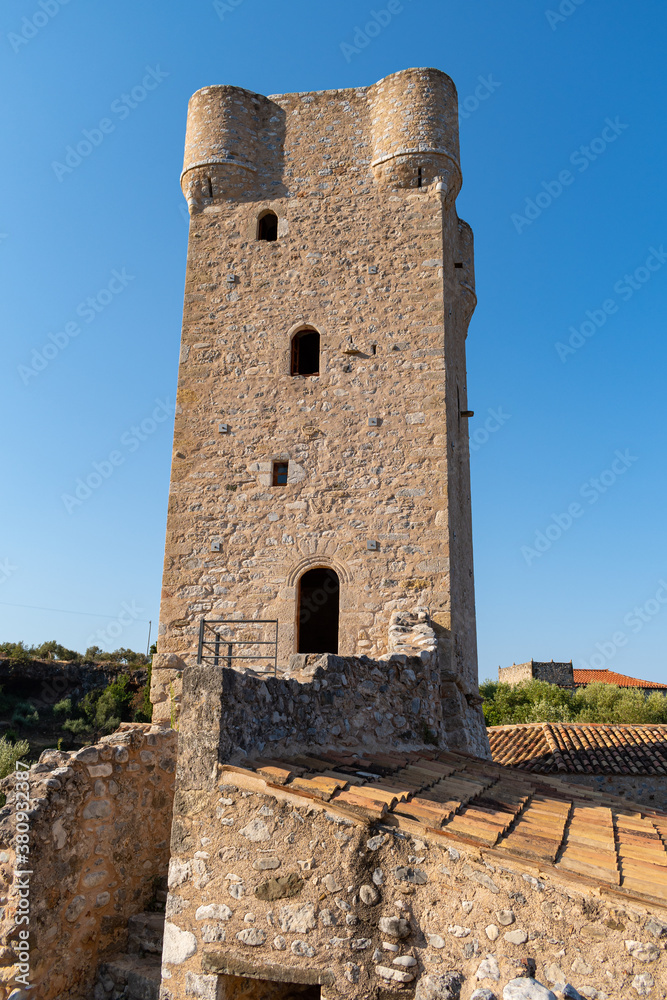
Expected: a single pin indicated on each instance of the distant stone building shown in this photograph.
(564, 675)
(534, 670)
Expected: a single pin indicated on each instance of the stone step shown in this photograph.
(130, 977)
(145, 932)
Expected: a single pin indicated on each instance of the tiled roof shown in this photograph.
(545, 825)
(611, 677)
(581, 748)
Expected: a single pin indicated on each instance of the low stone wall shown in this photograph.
(649, 790)
(285, 891)
(355, 701)
(335, 701)
(99, 824)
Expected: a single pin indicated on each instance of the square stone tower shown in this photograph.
(320, 473)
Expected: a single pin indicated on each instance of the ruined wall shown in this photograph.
(278, 889)
(99, 826)
(393, 701)
(383, 269)
(554, 673)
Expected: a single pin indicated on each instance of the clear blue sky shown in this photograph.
(581, 91)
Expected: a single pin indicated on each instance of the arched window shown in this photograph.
(267, 227)
(319, 598)
(305, 353)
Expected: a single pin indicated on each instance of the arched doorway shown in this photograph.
(317, 622)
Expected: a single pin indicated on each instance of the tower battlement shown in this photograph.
(243, 146)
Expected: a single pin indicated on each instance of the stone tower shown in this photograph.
(320, 471)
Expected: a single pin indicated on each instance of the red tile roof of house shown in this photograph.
(449, 798)
(611, 677)
(581, 748)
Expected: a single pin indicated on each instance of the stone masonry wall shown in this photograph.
(376, 445)
(392, 701)
(402, 696)
(554, 673)
(99, 832)
(277, 889)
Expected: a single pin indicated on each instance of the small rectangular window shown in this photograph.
(280, 470)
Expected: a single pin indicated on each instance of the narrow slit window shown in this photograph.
(267, 228)
(305, 354)
(280, 470)
(419, 177)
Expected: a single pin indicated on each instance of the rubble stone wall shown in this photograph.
(394, 701)
(99, 826)
(286, 891)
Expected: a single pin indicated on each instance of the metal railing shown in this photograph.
(217, 646)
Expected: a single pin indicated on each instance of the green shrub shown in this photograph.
(145, 711)
(100, 711)
(539, 701)
(77, 727)
(53, 649)
(17, 652)
(25, 714)
(63, 707)
(10, 753)
(113, 705)
(121, 655)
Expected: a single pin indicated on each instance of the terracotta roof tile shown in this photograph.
(565, 828)
(581, 748)
(605, 676)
